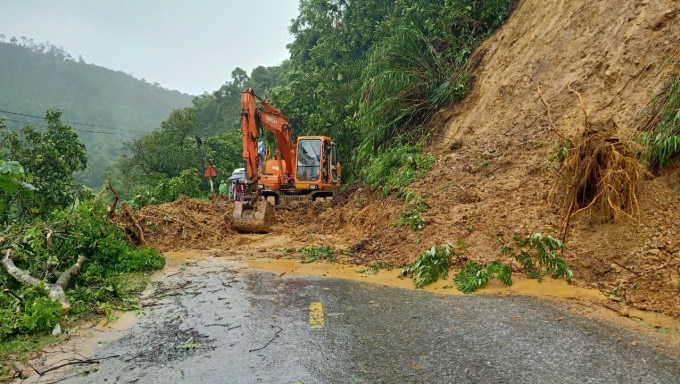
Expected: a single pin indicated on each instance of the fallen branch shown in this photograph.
(56, 291)
(269, 342)
(112, 208)
(140, 232)
(84, 361)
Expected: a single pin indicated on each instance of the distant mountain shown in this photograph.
(111, 106)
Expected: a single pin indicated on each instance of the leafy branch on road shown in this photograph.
(474, 276)
(318, 253)
(431, 264)
(539, 256)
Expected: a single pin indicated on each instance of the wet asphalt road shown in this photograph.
(213, 324)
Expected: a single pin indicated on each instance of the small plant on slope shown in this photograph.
(412, 217)
(545, 260)
(430, 265)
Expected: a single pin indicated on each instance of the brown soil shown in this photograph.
(494, 179)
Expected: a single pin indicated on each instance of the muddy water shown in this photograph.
(551, 289)
(548, 288)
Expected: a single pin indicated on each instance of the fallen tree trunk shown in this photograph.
(56, 291)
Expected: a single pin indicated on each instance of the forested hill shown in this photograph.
(114, 105)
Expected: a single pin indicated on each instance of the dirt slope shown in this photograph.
(494, 179)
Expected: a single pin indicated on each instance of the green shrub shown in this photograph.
(395, 169)
(412, 219)
(559, 151)
(431, 264)
(187, 183)
(538, 255)
(419, 66)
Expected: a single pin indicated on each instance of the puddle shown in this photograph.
(175, 260)
(106, 332)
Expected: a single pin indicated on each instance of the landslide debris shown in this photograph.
(185, 224)
(495, 177)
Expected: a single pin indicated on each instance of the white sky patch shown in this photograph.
(190, 46)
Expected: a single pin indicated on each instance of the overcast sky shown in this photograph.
(188, 45)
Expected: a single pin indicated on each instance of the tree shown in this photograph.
(50, 156)
(239, 77)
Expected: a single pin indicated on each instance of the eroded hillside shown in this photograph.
(495, 180)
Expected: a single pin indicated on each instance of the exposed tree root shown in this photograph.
(131, 226)
(600, 174)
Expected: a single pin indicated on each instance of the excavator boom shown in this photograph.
(252, 214)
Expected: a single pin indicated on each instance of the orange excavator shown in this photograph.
(307, 168)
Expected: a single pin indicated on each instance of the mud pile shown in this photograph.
(185, 224)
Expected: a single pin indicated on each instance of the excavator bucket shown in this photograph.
(252, 218)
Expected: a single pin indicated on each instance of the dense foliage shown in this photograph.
(116, 106)
(660, 126)
(51, 155)
(45, 227)
(368, 74)
(44, 247)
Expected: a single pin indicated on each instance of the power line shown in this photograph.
(75, 129)
(76, 123)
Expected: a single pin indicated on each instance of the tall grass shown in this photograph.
(406, 81)
(420, 65)
(660, 122)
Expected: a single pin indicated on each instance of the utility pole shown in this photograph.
(199, 142)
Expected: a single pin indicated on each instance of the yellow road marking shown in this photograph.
(316, 315)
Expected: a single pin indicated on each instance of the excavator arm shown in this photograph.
(273, 120)
(253, 213)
